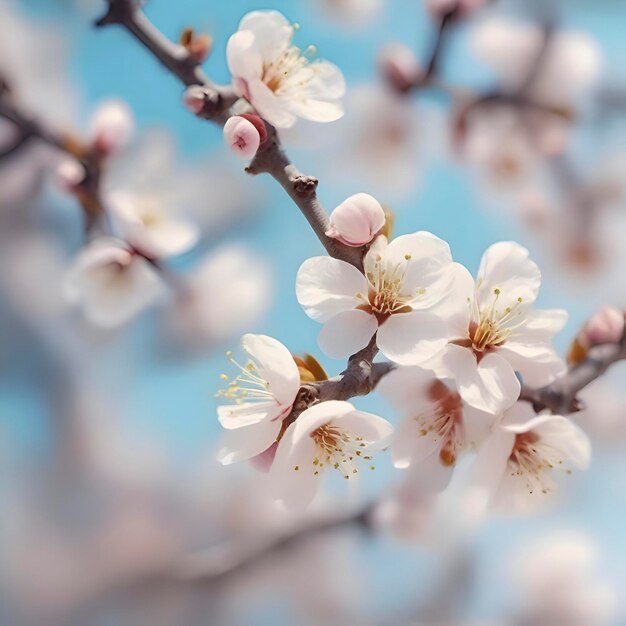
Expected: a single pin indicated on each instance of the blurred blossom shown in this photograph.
(200, 319)
(111, 283)
(352, 13)
(111, 126)
(559, 581)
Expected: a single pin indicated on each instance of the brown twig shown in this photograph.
(270, 159)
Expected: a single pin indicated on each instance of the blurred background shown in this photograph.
(113, 509)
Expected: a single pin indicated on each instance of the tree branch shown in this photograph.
(560, 397)
(270, 159)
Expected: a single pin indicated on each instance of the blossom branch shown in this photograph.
(561, 396)
(218, 100)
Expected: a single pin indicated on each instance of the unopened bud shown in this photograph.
(193, 98)
(605, 326)
(400, 67)
(112, 126)
(439, 9)
(242, 136)
(357, 220)
(198, 46)
(70, 174)
(311, 371)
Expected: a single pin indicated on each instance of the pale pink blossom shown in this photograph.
(402, 279)
(70, 173)
(241, 137)
(280, 80)
(261, 396)
(111, 283)
(399, 66)
(329, 435)
(517, 465)
(357, 220)
(495, 331)
(437, 425)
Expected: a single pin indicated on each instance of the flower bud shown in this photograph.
(357, 220)
(112, 126)
(439, 9)
(70, 173)
(194, 99)
(242, 136)
(399, 66)
(605, 326)
(310, 369)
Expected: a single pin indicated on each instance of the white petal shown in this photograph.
(243, 443)
(239, 415)
(327, 286)
(490, 385)
(243, 58)
(456, 305)
(412, 338)
(271, 29)
(538, 364)
(506, 266)
(347, 333)
(275, 365)
(269, 105)
(541, 325)
(567, 437)
(374, 430)
(406, 388)
(316, 110)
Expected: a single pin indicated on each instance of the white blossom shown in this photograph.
(111, 283)
(280, 80)
(261, 396)
(496, 332)
(111, 126)
(517, 465)
(437, 425)
(402, 278)
(329, 435)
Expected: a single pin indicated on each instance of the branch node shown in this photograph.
(305, 185)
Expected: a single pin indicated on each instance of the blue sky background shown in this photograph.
(171, 401)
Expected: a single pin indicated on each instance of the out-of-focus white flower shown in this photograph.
(357, 220)
(241, 136)
(332, 435)
(437, 426)
(280, 81)
(495, 331)
(399, 66)
(352, 13)
(262, 395)
(515, 467)
(111, 283)
(402, 278)
(148, 228)
(111, 126)
(244, 283)
(559, 581)
(570, 65)
(378, 141)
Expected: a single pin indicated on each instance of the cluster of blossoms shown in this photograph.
(460, 347)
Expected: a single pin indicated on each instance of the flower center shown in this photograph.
(247, 386)
(386, 294)
(277, 73)
(531, 459)
(444, 422)
(338, 448)
(491, 327)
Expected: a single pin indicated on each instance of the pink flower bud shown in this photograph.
(112, 126)
(399, 66)
(357, 220)
(70, 174)
(194, 98)
(605, 326)
(242, 136)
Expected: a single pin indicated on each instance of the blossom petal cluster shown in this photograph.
(282, 82)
